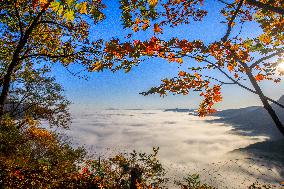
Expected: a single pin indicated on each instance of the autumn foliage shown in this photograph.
(37, 34)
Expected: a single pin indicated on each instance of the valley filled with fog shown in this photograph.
(216, 147)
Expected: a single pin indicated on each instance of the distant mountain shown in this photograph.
(268, 153)
(179, 110)
(253, 121)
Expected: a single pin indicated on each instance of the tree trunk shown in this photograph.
(135, 177)
(6, 85)
(265, 103)
(15, 60)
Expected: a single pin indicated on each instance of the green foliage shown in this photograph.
(124, 170)
(35, 95)
(192, 182)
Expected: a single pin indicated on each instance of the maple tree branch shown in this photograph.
(221, 82)
(241, 85)
(47, 55)
(13, 112)
(230, 24)
(19, 19)
(233, 80)
(225, 2)
(15, 59)
(266, 58)
(56, 56)
(266, 6)
(52, 22)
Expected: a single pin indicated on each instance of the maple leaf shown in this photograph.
(199, 58)
(34, 4)
(182, 73)
(69, 2)
(82, 7)
(259, 77)
(179, 60)
(55, 6)
(236, 75)
(69, 15)
(265, 38)
(157, 28)
(97, 66)
(153, 3)
(43, 3)
(230, 67)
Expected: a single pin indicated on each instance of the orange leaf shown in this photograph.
(157, 28)
(230, 67)
(179, 60)
(265, 38)
(236, 75)
(259, 77)
(182, 73)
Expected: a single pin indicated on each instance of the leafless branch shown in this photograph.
(266, 58)
(226, 3)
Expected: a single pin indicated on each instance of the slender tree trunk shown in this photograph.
(16, 59)
(135, 177)
(265, 103)
(7, 79)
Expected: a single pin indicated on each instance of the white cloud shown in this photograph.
(184, 140)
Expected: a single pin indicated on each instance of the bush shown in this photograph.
(34, 157)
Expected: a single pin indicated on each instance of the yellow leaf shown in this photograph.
(126, 70)
(69, 15)
(153, 3)
(83, 9)
(55, 5)
(97, 66)
(179, 60)
(265, 38)
(60, 10)
(69, 2)
(199, 58)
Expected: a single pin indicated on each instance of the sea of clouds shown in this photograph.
(187, 143)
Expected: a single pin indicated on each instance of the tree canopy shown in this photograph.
(39, 32)
(35, 34)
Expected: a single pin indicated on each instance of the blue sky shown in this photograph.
(119, 90)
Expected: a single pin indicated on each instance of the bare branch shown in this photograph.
(266, 58)
(225, 2)
(219, 81)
